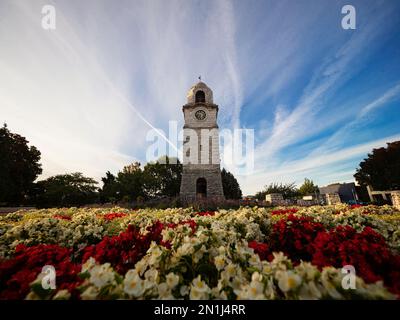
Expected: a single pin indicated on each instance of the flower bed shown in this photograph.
(250, 253)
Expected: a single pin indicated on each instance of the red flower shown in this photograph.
(113, 215)
(192, 224)
(262, 249)
(367, 251)
(17, 273)
(284, 211)
(124, 250)
(62, 217)
(294, 237)
(206, 213)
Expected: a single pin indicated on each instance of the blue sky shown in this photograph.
(318, 97)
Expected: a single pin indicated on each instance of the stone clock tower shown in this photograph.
(201, 176)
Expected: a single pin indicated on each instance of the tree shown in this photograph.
(66, 190)
(163, 177)
(130, 182)
(109, 191)
(287, 190)
(230, 185)
(308, 188)
(19, 167)
(381, 169)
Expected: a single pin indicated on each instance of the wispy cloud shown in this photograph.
(87, 93)
(319, 167)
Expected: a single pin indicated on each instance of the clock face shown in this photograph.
(200, 115)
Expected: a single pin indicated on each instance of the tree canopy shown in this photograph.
(230, 185)
(308, 188)
(288, 190)
(381, 169)
(19, 167)
(161, 178)
(66, 190)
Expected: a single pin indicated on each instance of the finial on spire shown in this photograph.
(200, 78)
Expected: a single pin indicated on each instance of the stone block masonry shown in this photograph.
(396, 199)
(201, 174)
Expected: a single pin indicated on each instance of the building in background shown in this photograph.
(346, 192)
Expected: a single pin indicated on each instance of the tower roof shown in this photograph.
(200, 86)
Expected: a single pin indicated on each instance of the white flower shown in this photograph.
(155, 255)
(196, 294)
(230, 270)
(90, 293)
(236, 283)
(133, 284)
(255, 260)
(163, 288)
(88, 265)
(288, 280)
(184, 290)
(101, 275)
(172, 280)
(255, 290)
(199, 284)
(309, 291)
(197, 256)
(199, 289)
(256, 277)
(328, 277)
(151, 275)
(141, 266)
(62, 295)
(219, 262)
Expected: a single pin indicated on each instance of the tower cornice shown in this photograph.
(200, 104)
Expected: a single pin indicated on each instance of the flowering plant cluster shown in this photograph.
(249, 253)
(284, 211)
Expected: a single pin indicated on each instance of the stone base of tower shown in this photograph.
(200, 182)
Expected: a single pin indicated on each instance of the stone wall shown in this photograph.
(396, 199)
(274, 198)
(332, 198)
(211, 173)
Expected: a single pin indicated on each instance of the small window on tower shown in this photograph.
(200, 96)
(187, 139)
(188, 153)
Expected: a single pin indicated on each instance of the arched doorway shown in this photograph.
(200, 96)
(201, 188)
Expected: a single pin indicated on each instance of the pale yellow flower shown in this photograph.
(133, 284)
(90, 293)
(172, 280)
(288, 280)
(219, 262)
(199, 284)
